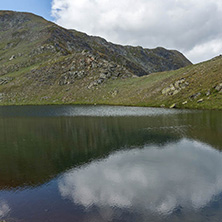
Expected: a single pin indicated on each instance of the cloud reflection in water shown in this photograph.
(4, 209)
(187, 174)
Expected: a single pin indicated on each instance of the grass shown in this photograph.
(138, 91)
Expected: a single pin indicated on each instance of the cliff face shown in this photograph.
(38, 58)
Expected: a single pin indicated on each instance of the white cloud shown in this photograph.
(4, 209)
(184, 25)
(206, 50)
(152, 180)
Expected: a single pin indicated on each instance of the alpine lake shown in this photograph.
(104, 163)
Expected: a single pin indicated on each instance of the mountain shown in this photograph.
(36, 35)
(43, 63)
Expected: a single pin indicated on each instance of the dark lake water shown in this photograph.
(98, 163)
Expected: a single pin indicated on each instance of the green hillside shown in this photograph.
(42, 63)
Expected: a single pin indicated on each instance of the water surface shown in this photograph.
(99, 163)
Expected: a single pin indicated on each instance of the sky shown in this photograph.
(39, 7)
(192, 27)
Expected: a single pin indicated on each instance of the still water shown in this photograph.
(98, 163)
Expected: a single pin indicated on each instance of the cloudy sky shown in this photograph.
(190, 26)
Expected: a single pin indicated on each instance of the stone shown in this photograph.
(179, 82)
(79, 75)
(113, 66)
(103, 76)
(70, 77)
(12, 57)
(88, 61)
(176, 91)
(208, 93)
(194, 96)
(114, 93)
(200, 101)
(116, 74)
(172, 87)
(184, 85)
(165, 91)
(168, 89)
(173, 106)
(175, 88)
(100, 81)
(5, 80)
(64, 80)
(93, 65)
(109, 75)
(45, 98)
(90, 85)
(72, 68)
(219, 87)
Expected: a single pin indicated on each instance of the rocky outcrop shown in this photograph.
(5, 80)
(70, 77)
(175, 87)
(219, 87)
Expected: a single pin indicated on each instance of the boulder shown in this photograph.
(5, 80)
(12, 57)
(208, 93)
(179, 82)
(175, 92)
(219, 87)
(175, 87)
(173, 106)
(194, 96)
(168, 89)
(103, 76)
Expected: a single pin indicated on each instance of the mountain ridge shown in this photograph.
(69, 41)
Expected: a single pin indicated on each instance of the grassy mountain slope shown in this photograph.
(42, 63)
(195, 86)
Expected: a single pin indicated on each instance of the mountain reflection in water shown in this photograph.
(99, 164)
